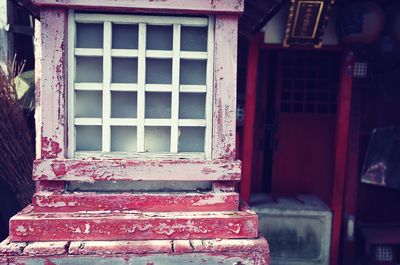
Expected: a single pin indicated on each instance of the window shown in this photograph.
(139, 84)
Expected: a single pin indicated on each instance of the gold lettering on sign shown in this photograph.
(307, 19)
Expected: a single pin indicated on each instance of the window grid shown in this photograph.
(108, 52)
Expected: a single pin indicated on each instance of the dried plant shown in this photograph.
(16, 147)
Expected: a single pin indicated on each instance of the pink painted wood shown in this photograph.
(50, 41)
(89, 170)
(154, 252)
(31, 226)
(145, 202)
(181, 6)
(225, 64)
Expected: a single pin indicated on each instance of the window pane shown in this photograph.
(139, 186)
(159, 71)
(191, 139)
(194, 39)
(89, 69)
(88, 138)
(124, 70)
(159, 38)
(89, 35)
(124, 36)
(123, 104)
(88, 104)
(192, 105)
(158, 105)
(123, 139)
(193, 72)
(157, 139)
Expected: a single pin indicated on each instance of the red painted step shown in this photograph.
(29, 225)
(149, 202)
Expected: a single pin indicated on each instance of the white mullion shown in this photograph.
(209, 82)
(106, 136)
(141, 87)
(71, 81)
(124, 53)
(130, 19)
(175, 88)
(89, 86)
(88, 121)
(90, 52)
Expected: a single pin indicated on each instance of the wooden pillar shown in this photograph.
(342, 141)
(6, 43)
(249, 116)
(352, 178)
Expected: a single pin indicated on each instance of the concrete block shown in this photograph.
(298, 228)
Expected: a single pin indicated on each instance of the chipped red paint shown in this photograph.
(180, 6)
(50, 148)
(225, 53)
(89, 170)
(31, 226)
(151, 202)
(50, 186)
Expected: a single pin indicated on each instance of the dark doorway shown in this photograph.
(299, 121)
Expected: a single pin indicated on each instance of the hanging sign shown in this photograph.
(307, 22)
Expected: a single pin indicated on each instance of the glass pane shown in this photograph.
(88, 104)
(138, 186)
(89, 69)
(124, 70)
(158, 105)
(157, 139)
(191, 139)
(123, 139)
(88, 138)
(193, 72)
(194, 39)
(123, 104)
(89, 35)
(159, 38)
(158, 71)
(192, 105)
(124, 36)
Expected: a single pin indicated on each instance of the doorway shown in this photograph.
(298, 121)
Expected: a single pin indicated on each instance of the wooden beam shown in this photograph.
(164, 6)
(249, 115)
(90, 170)
(50, 62)
(342, 142)
(225, 70)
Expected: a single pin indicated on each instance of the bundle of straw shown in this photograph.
(16, 147)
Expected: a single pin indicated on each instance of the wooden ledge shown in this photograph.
(29, 225)
(164, 6)
(91, 170)
(146, 202)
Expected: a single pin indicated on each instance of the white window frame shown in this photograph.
(141, 53)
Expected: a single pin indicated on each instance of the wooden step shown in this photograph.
(147, 202)
(29, 225)
(141, 252)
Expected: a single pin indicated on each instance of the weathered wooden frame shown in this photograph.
(51, 87)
